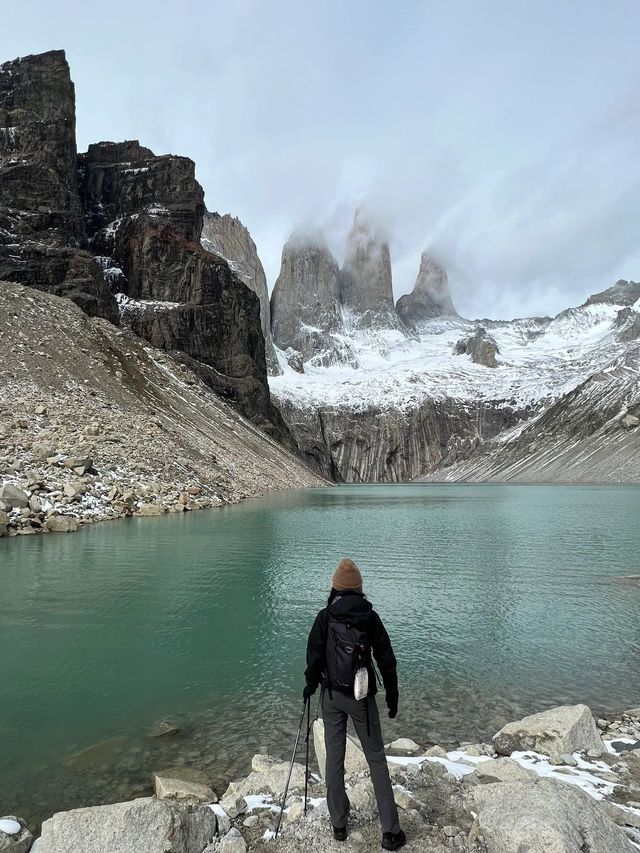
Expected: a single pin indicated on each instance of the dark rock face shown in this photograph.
(621, 293)
(430, 296)
(119, 219)
(480, 346)
(227, 236)
(392, 446)
(121, 179)
(365, 279)
(305, 304)
(628, 321)
(42, 229)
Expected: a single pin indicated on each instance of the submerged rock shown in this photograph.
(561, 730)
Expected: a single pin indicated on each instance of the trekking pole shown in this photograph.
(306, 763)
(293, 758)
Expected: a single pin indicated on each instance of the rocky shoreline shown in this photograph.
(556, 781)
(97, 425)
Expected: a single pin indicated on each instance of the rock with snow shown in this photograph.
(501, 770)
(430, 296)
(630, 421)
(13, 497)
(621, 293)
(366, 289)
(14, 835)
(155, 826)
(544, 816)
(354, 761)
(233, 802)
(480, 346)
(565, 729)
(306, 312)
(227, 236)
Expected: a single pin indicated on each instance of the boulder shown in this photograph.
(14, 497)
(152, 509)
(565, 729)
(14, 835)
(501, 770)
(354, 761)
(233, 802)
(61, 524)
(155, 826)
(480, 346)
(403, 746)
(361, 796)
(81, 465)
(4, 523)
(630, 421)
(269, 775)
(544, 816)
(233, 842)
(172, 785)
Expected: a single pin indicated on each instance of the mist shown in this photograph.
(499, 136)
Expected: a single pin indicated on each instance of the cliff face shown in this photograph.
(42, 231)
(305, 304)
(430, 296)
(365, 280)
(378, 445)
(120, 220)
(227, 236)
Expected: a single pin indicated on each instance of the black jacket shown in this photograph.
(354, 608)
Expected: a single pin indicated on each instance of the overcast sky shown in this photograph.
(501, 135)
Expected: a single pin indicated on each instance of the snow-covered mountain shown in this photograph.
(407, 404)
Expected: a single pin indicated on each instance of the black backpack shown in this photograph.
(347, 650)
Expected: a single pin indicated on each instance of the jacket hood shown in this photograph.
(351, 607)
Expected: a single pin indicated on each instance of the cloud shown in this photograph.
(496, 134)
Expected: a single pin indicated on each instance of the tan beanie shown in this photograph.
(347, 576)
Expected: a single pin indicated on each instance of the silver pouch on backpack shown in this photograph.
(361, 684)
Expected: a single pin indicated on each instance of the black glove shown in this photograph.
(308, 692)
(392, 705)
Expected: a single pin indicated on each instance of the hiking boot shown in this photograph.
(340, 833)
(393, 840)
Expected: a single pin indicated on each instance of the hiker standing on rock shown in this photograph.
(342, 638)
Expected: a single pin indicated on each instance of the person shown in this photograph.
(348, 607)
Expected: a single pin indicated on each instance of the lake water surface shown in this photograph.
(500, 600)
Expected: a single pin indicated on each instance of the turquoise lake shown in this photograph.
(500, 600)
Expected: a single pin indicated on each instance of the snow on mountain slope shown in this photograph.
(539, 360)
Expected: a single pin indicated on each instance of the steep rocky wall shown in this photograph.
(591, 434)
(228, 237)
(42, 229)
(430, 296)
(392, 446)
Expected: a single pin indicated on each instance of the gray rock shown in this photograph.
(620, 815)
(561, 730)
(501, 770)
(164, 728)
(61, 524)
(233, 802)
(14, 835)
(81, 465)
(149, 825)
(430, 296)
(4, 522)
(354, 761)
(227, 236)
(169, 786)
(480, 346)
(306, 312)
(630, 421)
(403, 746)
(544, 816)
(233, 842)
(14, 497)
(366, 288)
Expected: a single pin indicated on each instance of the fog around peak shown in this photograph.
(498, 137)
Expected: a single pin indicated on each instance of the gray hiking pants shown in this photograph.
(335, 711)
